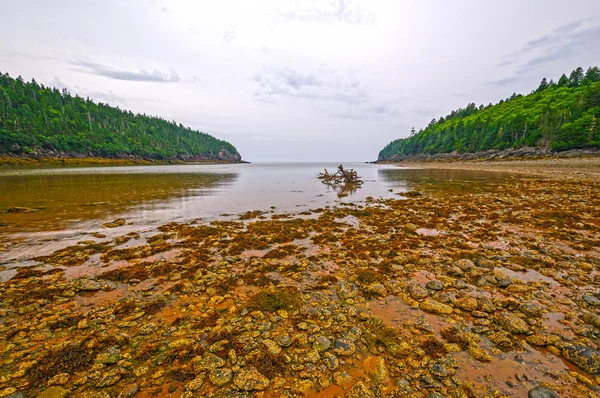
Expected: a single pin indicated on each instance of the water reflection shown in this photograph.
(70, 197)
(83, 198)
(407, 179)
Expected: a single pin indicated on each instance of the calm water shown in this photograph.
(76, 201)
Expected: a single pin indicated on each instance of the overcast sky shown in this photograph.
(298, 80)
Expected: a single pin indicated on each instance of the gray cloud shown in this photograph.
(561, 43)
(333, 10)
(504, 81)
(291, 83)
(140, 76)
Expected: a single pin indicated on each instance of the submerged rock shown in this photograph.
(53, 392)
(375, 367)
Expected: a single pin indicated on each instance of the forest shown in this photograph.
(556, 116)
(34, 117)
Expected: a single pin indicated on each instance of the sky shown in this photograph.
(287, 80)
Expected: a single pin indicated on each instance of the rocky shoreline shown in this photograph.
(525, 153)
(52, 157)
(477, 290)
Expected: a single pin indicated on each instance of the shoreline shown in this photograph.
(96, 161)
(585, 168)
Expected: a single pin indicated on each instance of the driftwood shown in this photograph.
(341, 178)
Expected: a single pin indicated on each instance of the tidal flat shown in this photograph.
(458, 288)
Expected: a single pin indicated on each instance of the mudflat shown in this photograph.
(458, 288)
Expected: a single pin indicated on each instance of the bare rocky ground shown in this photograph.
(486, 289)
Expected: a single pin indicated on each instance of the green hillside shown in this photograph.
(34, 118)
(556, 116)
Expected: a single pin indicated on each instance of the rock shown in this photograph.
(341, 378)
(87, 285)
(220, 376)
(455, 272)
(417, 292)
(479, 353)
(467, 304)
(147, 329)
(465, 264)
(433, 394)
(284, 340)
(512, 323)
(542, 339)
(377, 289)
(272, 347)
(332, 361)
(312, 357)
(375, 367)
(109, 378)
(343, 347)
(250, 379)
(19, 209)
(435, 285)
(591, 300)
(11, 392)
(59, 379)
(302, 386)
(484, 263)
(359, 390)
(129, 391)
(210, 361)
(531, 310)
(436, 307)
(53, 392)
(346, 290)
(322, 344)
(586, 358)
(114, 224)
(542, 392)
(195, 384)
(444, 367)
(111, 355)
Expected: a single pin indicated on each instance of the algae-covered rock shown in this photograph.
(359, 390)
(343, 347)
(250, 379)
(584, 357)
(512, 323)
(302, 386)
(376, 368)
(220, 376)
(436, 307)
(111, 355)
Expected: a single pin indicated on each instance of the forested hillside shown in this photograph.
(34, 118)
(556, 116)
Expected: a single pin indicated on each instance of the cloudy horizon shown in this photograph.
(298, 80)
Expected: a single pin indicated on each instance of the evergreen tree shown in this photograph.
(34, 116)
(561, 116)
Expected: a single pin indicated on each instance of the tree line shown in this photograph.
(558, 115)
(33, 117)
